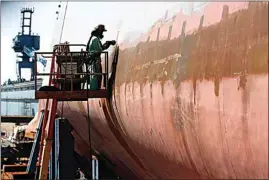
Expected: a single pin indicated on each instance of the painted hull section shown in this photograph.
(187, 102)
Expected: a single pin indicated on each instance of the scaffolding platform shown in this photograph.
(70, 72)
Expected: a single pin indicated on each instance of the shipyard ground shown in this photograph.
(15, 158)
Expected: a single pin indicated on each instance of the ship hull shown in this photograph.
(195, 106)
(165, 135)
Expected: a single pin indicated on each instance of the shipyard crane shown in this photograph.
(26, 43)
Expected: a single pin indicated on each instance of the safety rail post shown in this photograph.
(52, 68)
(65, 67)
(48, 142)
(105, 74)
(55, 68)
(57, 75)
(44, 144)
(71, 68)
(87, 73)
(35, 73)
(106, 69)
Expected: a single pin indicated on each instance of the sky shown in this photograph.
(10, 26)
(81, 18)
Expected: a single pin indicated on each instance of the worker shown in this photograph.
(95, 47)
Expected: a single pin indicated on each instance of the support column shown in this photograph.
(64, 150)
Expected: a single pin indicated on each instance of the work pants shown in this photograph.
(97, 68)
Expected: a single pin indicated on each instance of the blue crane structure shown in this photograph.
(27, 43)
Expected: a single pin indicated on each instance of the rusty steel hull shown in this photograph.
(188, 106)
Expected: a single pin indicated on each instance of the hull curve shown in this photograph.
(188, 104)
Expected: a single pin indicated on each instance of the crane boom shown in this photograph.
(31, 53)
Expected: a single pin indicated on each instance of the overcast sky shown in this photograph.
(81, 18)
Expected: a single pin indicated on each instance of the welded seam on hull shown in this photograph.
(105, 112)
(174, 134)
(183, 135)
(120, 119)
(109, 117)
(187, 145)
(201, 149)
(112, 88)
(125, 86)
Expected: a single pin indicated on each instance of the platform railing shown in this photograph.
(63, 65)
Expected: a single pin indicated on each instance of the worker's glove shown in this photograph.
(111, 42)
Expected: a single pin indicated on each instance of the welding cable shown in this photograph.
(89, 123)
(63, 21)
(88, 110)
(88, 114)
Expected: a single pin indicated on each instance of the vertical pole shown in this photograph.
(169, 33)
(97, 173)
(117, 37)
(63, 21)
(65, 71)
(30, 23)
(56, 149)
(93, 169)
(22, 27)
(51, 166)
(183, 28)
(106, 69)
(105, 72)
(182, 37)
(52, 67)
(71, 71)
(52, 163)
(48, 143)
(87, 75)
(225, 12)
(158, 34)
(35, 72)
(201, 22)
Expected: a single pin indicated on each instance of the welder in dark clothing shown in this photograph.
(95, 47)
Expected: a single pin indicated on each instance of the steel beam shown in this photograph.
(16, 119)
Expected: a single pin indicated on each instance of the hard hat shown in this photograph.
(101, 27)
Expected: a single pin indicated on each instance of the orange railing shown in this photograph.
(70, 71)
